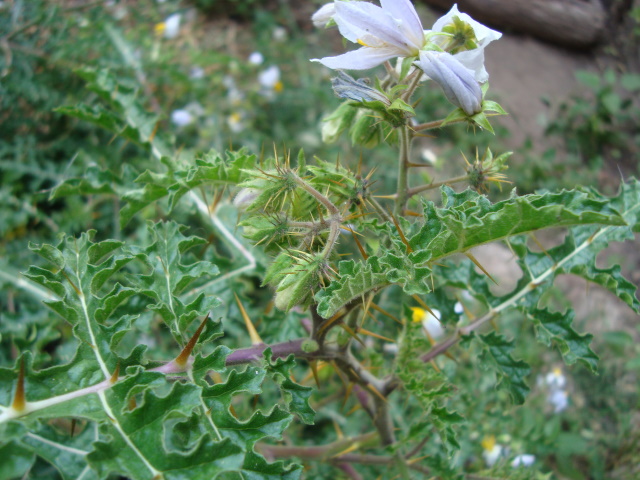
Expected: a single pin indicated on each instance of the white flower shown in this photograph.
(457, 81)
(458, 308)
(386, 32)
(472, 59)
(559, 399)
(256, 58)
(555, 379)
(491, 450)
(524, 460)
(181, 118)
(430, 321)
(279, 34)
(172, 26)
(324, 14)
(269, 80)
(196, 73)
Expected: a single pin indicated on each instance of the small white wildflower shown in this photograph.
(280, 34)
(181, 118)
(235, 122)
(555, 379)
(256, 58)
(196, 72)
(458, 308)
(269, 80)
(172, 25)
(429, 322)
(524, 460)
(429, 156)
(491, 450)
(559, 399)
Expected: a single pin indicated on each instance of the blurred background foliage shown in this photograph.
(210, 90)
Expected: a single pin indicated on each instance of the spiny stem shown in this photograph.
(423, 188)
(316, 194)
(435, 124)
(402, 194)
(414, 81)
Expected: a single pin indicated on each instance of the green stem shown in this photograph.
(423, 188)
(403, 171)
(317, 195)
(435, 124)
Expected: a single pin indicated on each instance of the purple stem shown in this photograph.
(279, 350)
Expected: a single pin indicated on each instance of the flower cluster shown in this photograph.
(451, 53)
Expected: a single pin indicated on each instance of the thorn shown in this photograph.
(349, 449)
(402, 237)
(73, 426)
(355, 408)
(313, 365)
(253, 333)
(411, 213)
(434, 365)
(477, 263)
(359, 245)
(116, 374)
(325, 325)
(347, 394)
(375, 335)
(385, 313)
(181, 360)
(374, 390)
(132, 404)
(541, 247)
(353, 334)
(339, 433)
(424, 305)
(411, 164)
(19, 400)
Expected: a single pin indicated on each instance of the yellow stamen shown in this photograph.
(160, 28)
(418, 314)
(488, 442)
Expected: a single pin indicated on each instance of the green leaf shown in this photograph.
(355, 279)
(468, 219)
(210, 169)
(296, 396)
(169, 277)
(511, 373)
(556, 327)
(127, 447)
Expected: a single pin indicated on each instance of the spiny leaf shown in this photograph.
(296, 396)
(511, 373)
(556, 327)
(169, 277)
(468, 219)
(211, 169)
(355, 279)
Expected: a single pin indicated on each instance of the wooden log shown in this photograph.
(571, 23)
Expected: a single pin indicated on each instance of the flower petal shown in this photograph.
(360, 19)
(410, 25)
(457, 81)
(482, 32)
(361, 59)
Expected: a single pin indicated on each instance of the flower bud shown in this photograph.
(337, 122)
(458, 82)
(324, 15)
(345, 86)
